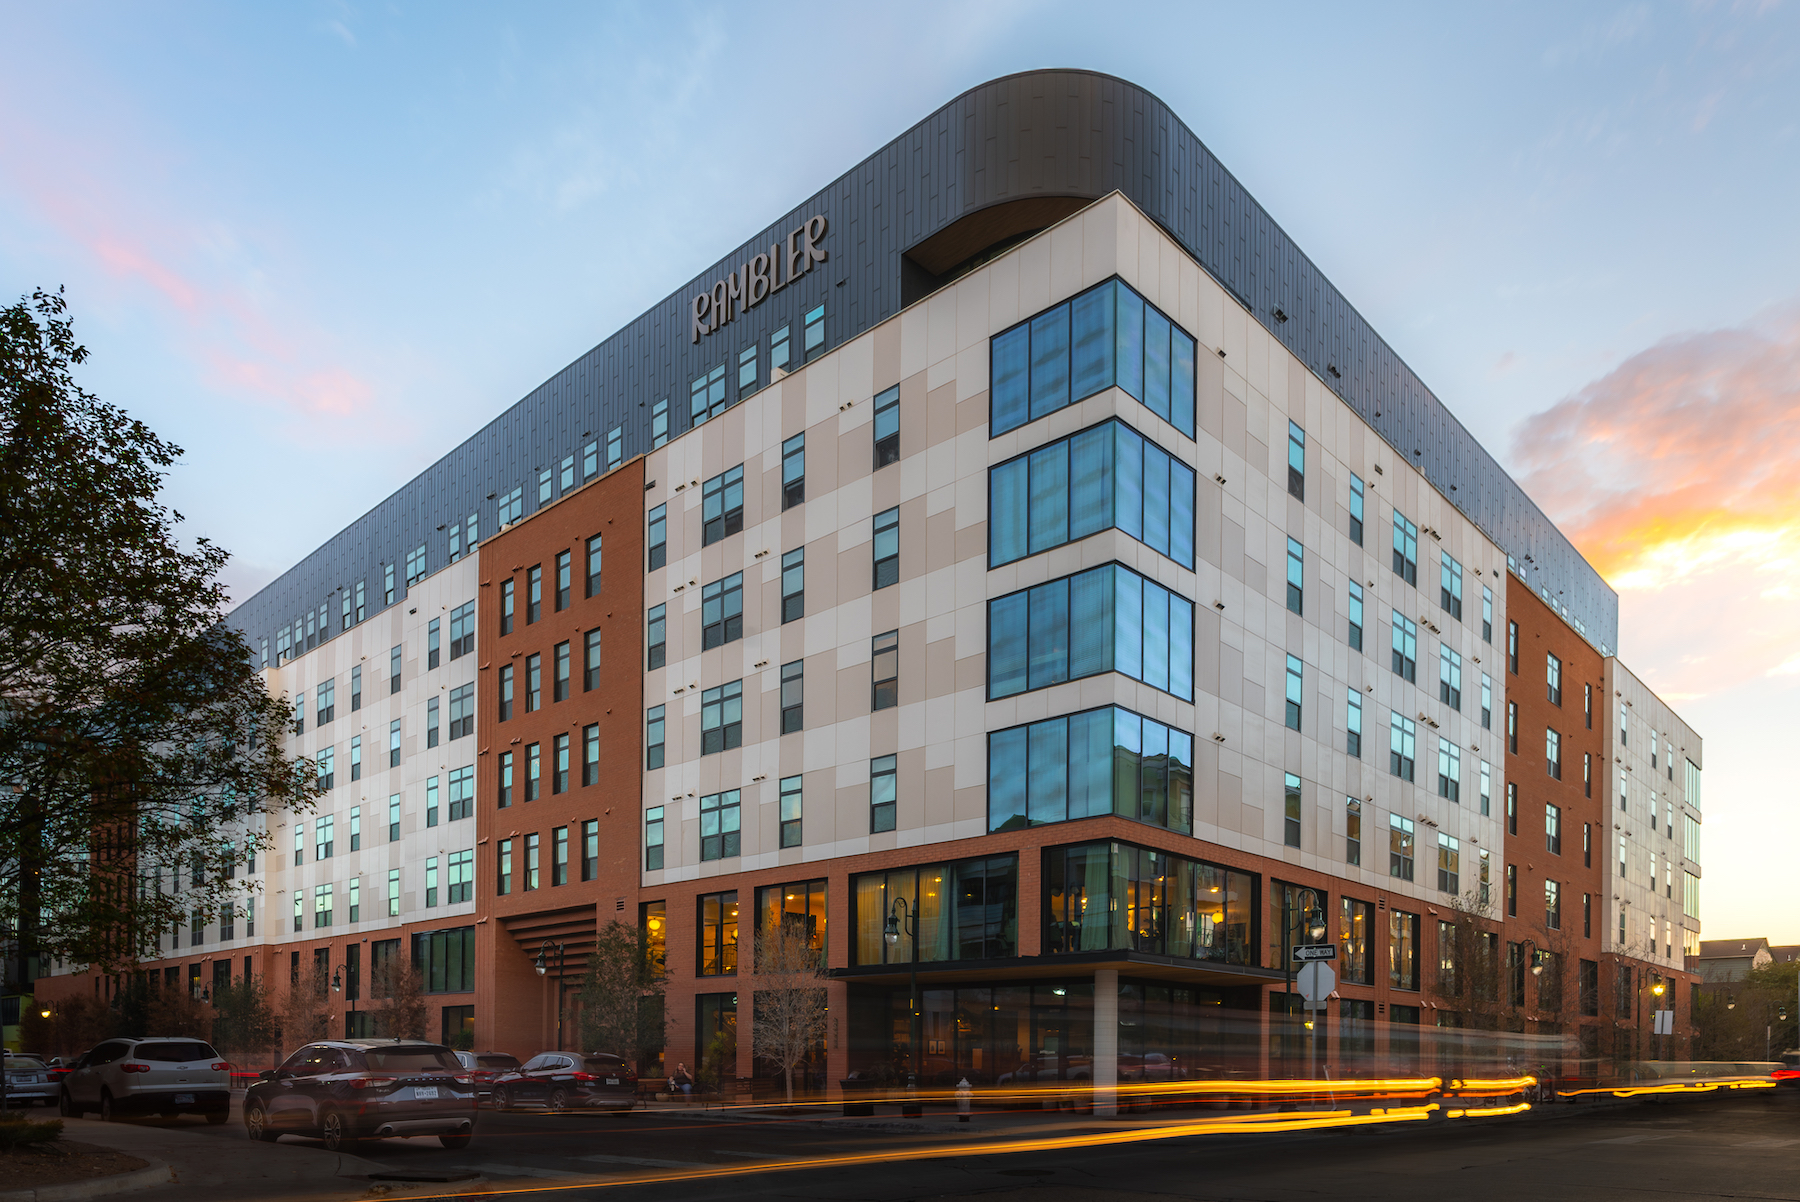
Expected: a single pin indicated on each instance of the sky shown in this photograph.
(316, 244)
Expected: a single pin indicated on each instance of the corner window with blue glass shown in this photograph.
(1104, 761)
(1108, 336)
(1107, 619)
(1103, 478)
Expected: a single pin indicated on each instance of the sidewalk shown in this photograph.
(205, 1166)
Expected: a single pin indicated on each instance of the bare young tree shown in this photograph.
(790, 1006)
(400, 1009)
(306, 1010)
(178, 1012)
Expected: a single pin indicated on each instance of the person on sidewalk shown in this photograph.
(682, 1081)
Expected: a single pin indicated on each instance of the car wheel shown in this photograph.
(256, 1125)
(107, 1113)
(65, 1105)
(559, 1101)
(334, 1129)
(454, 1142)
(501, 1101)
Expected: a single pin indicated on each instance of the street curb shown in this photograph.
(157, 1172)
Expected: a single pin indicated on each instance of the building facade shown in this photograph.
(1019, 550)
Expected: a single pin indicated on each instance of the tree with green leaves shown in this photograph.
(141, 746)
(622, 996)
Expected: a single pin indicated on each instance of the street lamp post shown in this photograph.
(1313, 915)
(1656, 1044)
(543, 968)
(338, 981)
(905, 915)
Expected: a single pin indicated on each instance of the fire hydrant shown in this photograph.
(963, 1093)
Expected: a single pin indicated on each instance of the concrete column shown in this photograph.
(1106, 1041)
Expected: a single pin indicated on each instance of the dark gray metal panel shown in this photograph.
(1073, 133)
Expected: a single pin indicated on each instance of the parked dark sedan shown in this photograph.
(569, 1081)
(344, 1090)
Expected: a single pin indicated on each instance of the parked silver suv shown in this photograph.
(345, 1090)
(149, 1076)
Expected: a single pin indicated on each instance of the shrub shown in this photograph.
(17, 1131)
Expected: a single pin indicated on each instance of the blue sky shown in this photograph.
(317, 244)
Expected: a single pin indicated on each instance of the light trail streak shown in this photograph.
(1250, 1124)
(1668, 1087)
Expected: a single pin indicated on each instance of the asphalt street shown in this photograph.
(1739, 1147)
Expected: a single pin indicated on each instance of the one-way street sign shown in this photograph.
(1316, 951)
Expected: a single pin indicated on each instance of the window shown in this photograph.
(1553, 830)
(1403, 956)
(659, 423)
(1353, 831)
(1406, 648)
(1512, 727)
(299, 922)
(778, 350)
(388, 582)
(1356, 922)
(722, 612)
(431, 801)
(1107, 619)
(559, 857)
(706, 396)
(566, 474)
(653, 737)
(722, 506)
(393, 893)
(327, 701)
(564, 570)
(1103, 761)
(658, 537)
(1512, 648)
(886, 548)
(884, 670)
(559, 673)
(790, 811)
(1400, 847)
(431, 722)
(1296, 577)
(590, 661)
(355, 757)
(1356, 509)
(1290, 811)
(1354, 638)
(1512, 807)
(1587, 845)
(1353, 714)
(1450, 580)
(590, 754)
(1402, 740)
(394, 671)
(1449, 770)
(1106, 337)
(503, 867)
(887, 427)
(718, 934)
(530, 867)
(1553, 680)
(321, 906)
(394, 818)
(1106, 477)
(883, 802)
(793, 696)
(1449, 677)
(506, 692)
(323, 829)
(1487, 787)
(544, 486)
(653, 838)
(590, 460)
(1587, 708)
(559, 764)
(327, 766)
(1449, 864)
(534, 682)
(507, 605)
(793, 584)
(534, 593)
(1624, 724)
(722, 718)
(462, 630)
(433, 634)
(1406, 549)
(1293, 692)
(1553, 753)
(719, 825)
(461, 877)
(815, 332)
(590, 849)
(793, 471)
(362, 609)
(415, 566)
(1487, 702)
(615, 447)
(1552, 906)
(658, 636)
(1296, 462)
(355, 688)
(394, 743)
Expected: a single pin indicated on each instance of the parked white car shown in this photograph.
(149, 1076)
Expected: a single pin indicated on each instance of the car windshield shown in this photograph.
(497, 1062)
(411, 1060)
(174, 1051)
(23, 1064)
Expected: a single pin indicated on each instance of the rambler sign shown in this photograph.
(760, 278)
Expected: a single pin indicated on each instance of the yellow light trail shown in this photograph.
(1669, 1087)
(1249, 1124)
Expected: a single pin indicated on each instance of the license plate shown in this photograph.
(612, 1080)
(424, 1091)
(184, 1099)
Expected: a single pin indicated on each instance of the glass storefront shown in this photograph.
(1119, 896)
